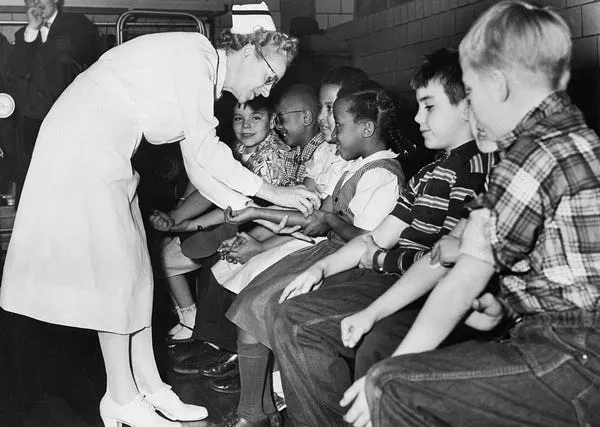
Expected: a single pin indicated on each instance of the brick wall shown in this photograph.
(330, 13)
(389, 38)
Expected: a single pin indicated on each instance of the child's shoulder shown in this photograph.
(554, 138)
(272, 143)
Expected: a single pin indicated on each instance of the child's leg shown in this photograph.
(384, 338)
(254, 360)
(181, 293)
(179, 289)
(490, 383)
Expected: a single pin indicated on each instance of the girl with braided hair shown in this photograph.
(364, 195)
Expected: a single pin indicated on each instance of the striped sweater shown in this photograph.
(434, 200)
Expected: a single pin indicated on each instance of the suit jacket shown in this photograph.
(39, 72)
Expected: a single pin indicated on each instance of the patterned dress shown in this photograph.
(267, 160)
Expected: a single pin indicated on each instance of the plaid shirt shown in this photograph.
(544, 202)
(297, 157)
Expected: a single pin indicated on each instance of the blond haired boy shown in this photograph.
(540, 224)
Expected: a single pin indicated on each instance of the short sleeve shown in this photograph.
(374, 198)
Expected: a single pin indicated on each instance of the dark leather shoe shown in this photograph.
(202, 360)
(200, 349)
(229, 384)
(222, 367)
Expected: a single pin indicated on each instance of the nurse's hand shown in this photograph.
(297, 197)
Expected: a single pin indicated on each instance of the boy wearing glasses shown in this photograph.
(296, 121)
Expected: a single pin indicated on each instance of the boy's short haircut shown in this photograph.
(259, 103)
(442, 66)
(303, 95)
(345, 76)
(515, 34)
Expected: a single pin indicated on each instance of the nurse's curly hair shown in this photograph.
(233, 42)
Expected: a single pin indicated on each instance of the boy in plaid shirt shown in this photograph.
(539, 227)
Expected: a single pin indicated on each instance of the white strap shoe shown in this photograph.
(137, 413)
(168, 403)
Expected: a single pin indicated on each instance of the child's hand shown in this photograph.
(355, 326)
(487, 313)
(239, 217)
(445, 251)
(161, 221)
(318, 225)
(366, 260)
(227, 244)
(358, 415)
(309, 280)
(244, 248)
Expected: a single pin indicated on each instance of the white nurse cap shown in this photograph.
(247, 18)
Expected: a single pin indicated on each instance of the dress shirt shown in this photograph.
(31, 35)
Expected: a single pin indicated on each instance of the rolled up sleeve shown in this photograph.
(209, 162)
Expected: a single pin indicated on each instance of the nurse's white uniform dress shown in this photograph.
(78, 254)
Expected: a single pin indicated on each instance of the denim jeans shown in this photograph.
(305, 336)
(546, 374)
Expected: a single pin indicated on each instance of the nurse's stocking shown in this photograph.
(120, 386)
(143, 363)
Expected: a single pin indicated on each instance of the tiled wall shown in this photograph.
(390, 42)
(330, 13)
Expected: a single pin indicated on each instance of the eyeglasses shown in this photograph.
(279, 116)
(272, 79)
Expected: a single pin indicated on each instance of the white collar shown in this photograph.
(383, 154)
(50, 20)
(221, 72)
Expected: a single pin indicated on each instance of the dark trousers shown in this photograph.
(305, 335)
(213, 301)
(547, 374)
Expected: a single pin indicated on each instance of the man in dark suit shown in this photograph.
(48, 54)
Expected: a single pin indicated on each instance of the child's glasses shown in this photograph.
(279, 117)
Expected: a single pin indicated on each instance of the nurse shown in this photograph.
(78, 254)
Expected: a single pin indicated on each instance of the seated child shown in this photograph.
(323, 171)
(361, 199)
(258, 148)
(540, 225)
(297, 123)
(305, 328)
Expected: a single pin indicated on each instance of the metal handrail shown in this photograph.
(121, 21)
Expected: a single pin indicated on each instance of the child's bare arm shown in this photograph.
(191, 206)
(253, 213)
(209, 219)
(419, 279)
(342, 228)
(447, 304)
